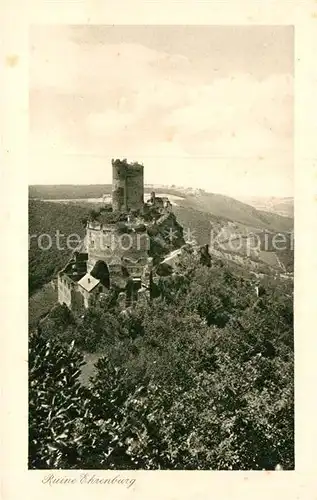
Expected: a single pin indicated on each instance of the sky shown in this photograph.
(207, 107)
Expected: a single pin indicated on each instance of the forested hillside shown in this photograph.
(45, 219)
(201, 378)
(234, 210)
(68, 191)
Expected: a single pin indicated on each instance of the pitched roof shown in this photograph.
(88, 282)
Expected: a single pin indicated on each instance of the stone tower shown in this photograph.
(127, 186)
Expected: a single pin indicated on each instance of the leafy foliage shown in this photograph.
(200, 378)
(57, 404)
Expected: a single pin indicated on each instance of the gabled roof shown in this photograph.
(88, 282)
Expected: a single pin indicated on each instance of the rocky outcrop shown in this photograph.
(166, 234)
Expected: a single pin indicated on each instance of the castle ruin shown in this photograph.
(115, 254)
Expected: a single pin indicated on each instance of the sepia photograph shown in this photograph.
(161, 248)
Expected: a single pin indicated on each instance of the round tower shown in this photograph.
(127, 185)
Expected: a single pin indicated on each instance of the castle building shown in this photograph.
(161, 203)
(115, 253)
(127, 186)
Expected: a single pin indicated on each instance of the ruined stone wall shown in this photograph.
(64, 290)
(104, 243)
(117, 249)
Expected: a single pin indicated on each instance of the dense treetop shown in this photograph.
(200, 378)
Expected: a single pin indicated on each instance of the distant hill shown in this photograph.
(75, 191)
(281, 206)
(68, 191)
(215, 204)
(236, 211)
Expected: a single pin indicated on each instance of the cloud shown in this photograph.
(109, 123)
(234, 117)
(127, 99)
